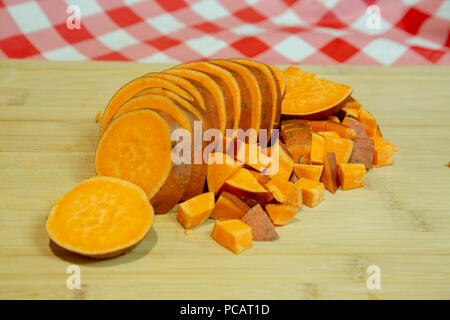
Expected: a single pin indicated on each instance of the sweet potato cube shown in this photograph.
(329, 134)
(383, 152)
(330, 173)
(369, 122)
(220, 167)
(228, 206)
(351, 175)
(318, 125)
(333, 119)
(308, 171)
(317, 148)
(234, 235)
(298, 143)
(356, 126)
(252, 155)
(312, 191)
(196, 210)
(285, 162)
(342, 130)
(341, 147)
(363, 152)
(285, 192)
(352, 108)
(281, 214)
(245, 186)
(259, 222)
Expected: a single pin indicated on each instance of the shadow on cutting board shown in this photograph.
(140, 251)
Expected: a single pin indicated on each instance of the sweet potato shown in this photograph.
(285, 192)
(253, 156)
(317, 148)
(318, 125)
(262, 179)
(281, 214)
(285, 162)
(221, 170)
(211, 93)
(352, 108)
(363, 152)
(228, 206)
(383, 152)
(130, 89)
(351, 175)
(312, 191)
(98, 116)
(250, 94)
(329, 134)
(229, 86)
(137, 147)
(341, 129)
(259, 222)
(196, 210)
(369, 122)
(279, 76)
(341, 147)
(298, 143)
(310, 97)
(308, 171)
(357, 126)
(235, 235)
(244, 185)
(330, 172)
(333, 118)
(100, 218)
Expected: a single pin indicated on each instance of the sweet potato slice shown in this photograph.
(363, 152)
(229, 86)
(130, 89)
(279, 76)
(244, 185)
(281, 214)
(235, 235)
(285, 192)
(351, 175)
(100, 218)
(357, 126)
(298, 143)
(330, 172)
(220, 168)
(342, 130)
(341, 147)
(383, 152)
(312, 191)
(285, 162)
(369, 122)
(308, 171)
(196, 210)
(270, 92)
(211, 93)
(250, 94)
(228, 206)
(317, 148)
(259, 222)
(137, 147)
(310, 97)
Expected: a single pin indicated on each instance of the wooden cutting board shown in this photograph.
(400, 222)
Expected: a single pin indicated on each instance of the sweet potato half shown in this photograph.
(100, 218)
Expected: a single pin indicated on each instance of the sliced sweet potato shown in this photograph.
(363, 152)
(342, 130)
(228, 206)
(244, 185)
(281, 214)
(116, 209)
(130, 89)
(330, 172)
(229, 86)
(298, 143)
(212, 95)
(235, 235)
(196, 210)
(285, 192)
(341, 147)
(259, 222)
(312, 191)
(220, 168)
(351, 175)
(357, 126)
(369, 122)
(279, 76)
(318, 125)
(250, 94)
(270, 92)
(308, 171)
(317, 148)
(284, 160)
(383, 152)
(310, 97)
(137, 147)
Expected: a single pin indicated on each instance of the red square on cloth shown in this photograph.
(171, 5)
(249, 15)
(162, 43)
(339, 50)
(430, 54)
(73, 35)
(113, 56)
(412, 20)
(18, 47)
(207, 27)
(329, 20)
(250, 46)
(123, 16)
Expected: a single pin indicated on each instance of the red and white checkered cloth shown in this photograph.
(410, 32)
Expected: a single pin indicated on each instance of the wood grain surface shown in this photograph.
(400, 221)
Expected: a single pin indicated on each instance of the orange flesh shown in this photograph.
(279, 75)
(136, 147)
(341, 147)
(330, 172)
(220, 168)
(351, 175)
(285, 192)
(334, 119)
(281, 214)
(340, 129)
(306, 94)
(318, 125)
(369, 123)
(234, 235)
(357, 126)
(317, 148)
(196, 210)
(298, 143)
(285, 162)
(244, 180)
(312, 191)
(229, 206)
(252, 155)
(98, 116)
(383, 152)
(329, 134)
(308, 171)
(130, 89)
(99, 216)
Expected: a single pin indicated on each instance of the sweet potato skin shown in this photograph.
(259, 222)
(330, 173)
(363, 152)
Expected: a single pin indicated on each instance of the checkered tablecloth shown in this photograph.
(386, 32)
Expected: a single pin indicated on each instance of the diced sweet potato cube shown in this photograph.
(333, 119)
(285, 192)
(228, 206)
(369, 122)
(317, 148)
(341, 147)
(252, 155)
(351, 175)
(312, 191)
(234, 235)
(285, 162)
(281, 214)
(308, 171)
(356, 126)
(342, 130)
(383, 152)
(363, 152)
(298, 143)
(330, 173)
(220, 167)
(196, 210)
(259, 222)
(329, 134)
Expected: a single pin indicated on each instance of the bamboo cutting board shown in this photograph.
(400, 222)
